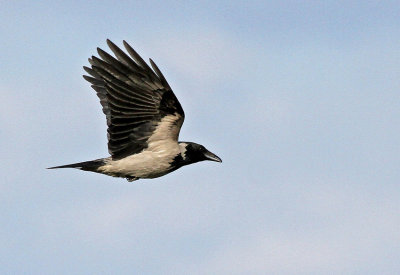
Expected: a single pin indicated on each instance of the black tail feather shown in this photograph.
(91, 165)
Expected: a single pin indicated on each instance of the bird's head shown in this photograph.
(193, 152)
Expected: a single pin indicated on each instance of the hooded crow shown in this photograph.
(144, 118)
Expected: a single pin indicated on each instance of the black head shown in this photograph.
(194, 152)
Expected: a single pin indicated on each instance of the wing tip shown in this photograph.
(111, 44)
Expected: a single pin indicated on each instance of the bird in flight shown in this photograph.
(144, 119)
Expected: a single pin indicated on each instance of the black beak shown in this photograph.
(210, 156)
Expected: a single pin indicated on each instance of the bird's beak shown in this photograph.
(211, 156)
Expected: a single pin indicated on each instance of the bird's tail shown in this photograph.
(91, 165)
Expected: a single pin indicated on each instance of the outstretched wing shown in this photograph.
(138, 102)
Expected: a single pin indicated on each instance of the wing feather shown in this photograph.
(159, 74)
(137, 100)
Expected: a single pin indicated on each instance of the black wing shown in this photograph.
(139, 105)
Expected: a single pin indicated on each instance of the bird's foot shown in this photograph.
(130, 179)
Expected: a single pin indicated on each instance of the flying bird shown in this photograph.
(144, 118)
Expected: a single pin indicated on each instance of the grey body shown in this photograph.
(150, 163)
(144, 119)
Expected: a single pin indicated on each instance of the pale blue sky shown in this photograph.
(300, 100)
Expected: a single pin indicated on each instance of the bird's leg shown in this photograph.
(130, 179)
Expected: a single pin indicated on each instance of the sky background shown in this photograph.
(299, 98)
